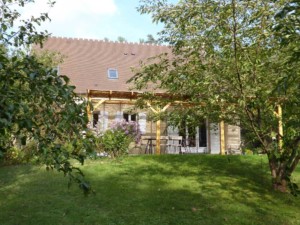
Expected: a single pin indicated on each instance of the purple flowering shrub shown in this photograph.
(117, 138)
(131, 129)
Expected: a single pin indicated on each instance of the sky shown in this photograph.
(95, 19)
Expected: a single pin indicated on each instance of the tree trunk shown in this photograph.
(283, 166)
(280, 184)
(279, 175)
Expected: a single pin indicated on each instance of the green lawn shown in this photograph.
(158, 190)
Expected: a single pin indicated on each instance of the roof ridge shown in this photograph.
(106, 41)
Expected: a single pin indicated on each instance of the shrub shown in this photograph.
(117, 138)
(19, 155)
(248, 152)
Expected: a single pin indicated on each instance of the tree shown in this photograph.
(36, 103)
(142, 40)
(228, 56)
(150, 40)
(121, 39)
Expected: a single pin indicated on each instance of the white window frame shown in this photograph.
(130, 117)
(112, 77)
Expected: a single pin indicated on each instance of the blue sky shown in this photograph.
(95, 19)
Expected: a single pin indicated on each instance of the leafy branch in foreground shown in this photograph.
(237, 60)
(36, 103)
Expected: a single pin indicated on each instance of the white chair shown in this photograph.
(175, 145)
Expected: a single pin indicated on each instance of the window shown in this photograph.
(112, 74)
(202, 135)
(133, 117)
(129, 117)
(95, 118)
(126, 117)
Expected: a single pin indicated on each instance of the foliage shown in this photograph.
(234, 61)
(121, 39)
(36, 103)
(22, 154)
(150, 40)
(288, 25)
(116, 140)
(248, 152)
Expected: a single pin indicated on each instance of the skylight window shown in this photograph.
(112, 74)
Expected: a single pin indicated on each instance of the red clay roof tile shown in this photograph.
(87, 61)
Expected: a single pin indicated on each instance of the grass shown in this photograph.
(137, 190)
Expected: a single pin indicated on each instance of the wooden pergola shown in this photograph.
(98, 97)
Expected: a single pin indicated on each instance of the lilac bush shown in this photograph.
(117, 138)
(131, 129)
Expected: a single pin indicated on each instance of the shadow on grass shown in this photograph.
(218, 189)
(252, 169)
(177, 189)
(10, 173)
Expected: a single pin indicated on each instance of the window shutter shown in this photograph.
(143, 122)
(119, 116)
(103, 120)
(214, 138)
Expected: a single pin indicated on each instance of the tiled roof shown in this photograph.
(87, 61)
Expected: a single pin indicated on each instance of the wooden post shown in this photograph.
(88, 107)
(158, 128)
(222, 138)
(280, 127)
(158, 137)
(158, 123)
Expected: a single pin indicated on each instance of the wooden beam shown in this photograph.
(150, 106)
(133, 102)
(222, 138)
(177, 99)
(166, 107)
(114, 102)
(99, 103)
(110, 94)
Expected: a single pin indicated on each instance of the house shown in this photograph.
(100, 69)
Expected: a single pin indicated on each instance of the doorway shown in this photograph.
(194, 136)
